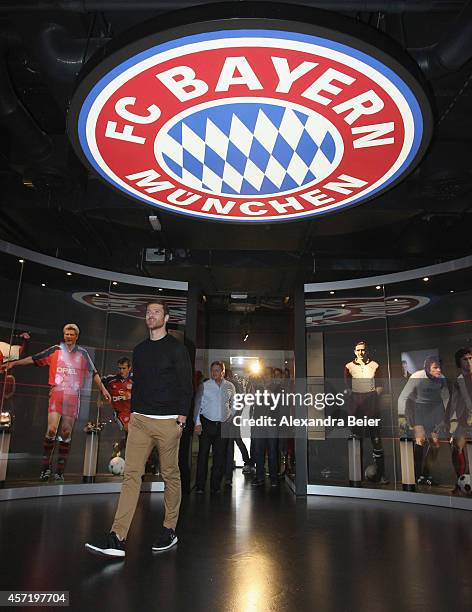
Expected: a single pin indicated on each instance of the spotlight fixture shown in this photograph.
(342, 305)
(451, 291)
(426, 279)
(378, 287)
(21, 261)
(255, 367)
(160, 288)
(155, 223)
(43, 284)
(114, 283)
(239, 296)
(331, 293)
(97, 295)
(246, 336)
(395, 299)
(69, 273)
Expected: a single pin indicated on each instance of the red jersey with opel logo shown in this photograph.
(120, 391)
(67, 369)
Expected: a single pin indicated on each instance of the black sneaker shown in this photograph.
(166, 540)
(111, 546)
(45, 475)
(59, 477)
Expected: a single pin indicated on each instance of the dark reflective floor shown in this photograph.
(245, 550)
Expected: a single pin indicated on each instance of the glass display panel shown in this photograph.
(126, 306)
(430, 355)
(55, 402)
(350, 426)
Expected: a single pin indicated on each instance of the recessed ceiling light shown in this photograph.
(160, 288)
(69, 273)
(426, 279)
(342, 305)
(378, 287)
(395, 299)
(21, 260)
(331, 292)
(97, 295)
(43, 284)
(114, 283)
(451, 291)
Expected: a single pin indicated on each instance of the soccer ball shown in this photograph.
(116, 466)
(464, 484)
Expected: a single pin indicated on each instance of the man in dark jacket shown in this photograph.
(160, 402)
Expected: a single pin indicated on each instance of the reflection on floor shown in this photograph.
(77, 479)
(244, 550)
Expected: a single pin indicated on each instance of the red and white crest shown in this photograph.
(251, 124)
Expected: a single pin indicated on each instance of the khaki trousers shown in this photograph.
(143, 434)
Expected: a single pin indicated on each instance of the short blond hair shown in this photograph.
(72, 326)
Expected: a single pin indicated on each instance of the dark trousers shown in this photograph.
(230, 456)
(211, 438)
(185, 456)
(252, 451)
(272, 445)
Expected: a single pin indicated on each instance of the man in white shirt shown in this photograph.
(213, 407)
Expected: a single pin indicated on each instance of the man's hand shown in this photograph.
(198, 429)
(4, 367)
(25, 335)
(106, 395)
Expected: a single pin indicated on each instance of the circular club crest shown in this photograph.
(250, 123)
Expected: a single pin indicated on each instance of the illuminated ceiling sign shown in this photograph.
(250, 120)
(132, 304)
(338, 311)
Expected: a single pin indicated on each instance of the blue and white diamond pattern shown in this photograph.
(249, 148)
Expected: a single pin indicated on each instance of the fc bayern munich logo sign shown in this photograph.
(250, 124)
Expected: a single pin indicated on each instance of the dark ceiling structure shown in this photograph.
(51, 203)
